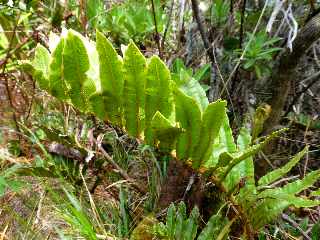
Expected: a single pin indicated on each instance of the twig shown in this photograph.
(296, 225)
(167, 25)
(234, 80)
(210, 52)
(196, 14)
(156, 28)
(296, 98)
(4, 65)
(32, 98)
(243, 10)
(123, 173)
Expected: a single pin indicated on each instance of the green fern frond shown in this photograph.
(134, 89)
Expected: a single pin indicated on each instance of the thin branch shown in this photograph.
(4, 65)
(156, 28)
(296, 225)
(167, 25)
(123, 173)
(243, 10)
(298, 95)
(206, 43)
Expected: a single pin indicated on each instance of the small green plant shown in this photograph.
(131, 20)
(219, 12)
(259, 53)
(183, 75)
(179, 226)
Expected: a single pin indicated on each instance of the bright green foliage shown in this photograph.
(222, 145)
(41, 66)
(213, 228)
(158, 93)
(259, 52)
(219, 12)
(280, 172)
(75, 65)
(178, 224)
(57, 84)
(134, 93)
(165, 132)
(188, 114)
(189, 83)
(244, 169)
(263, 207)
(131, 19)
(112, 79)
(212, 120)
(134, 89)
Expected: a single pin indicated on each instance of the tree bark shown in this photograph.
(283, 76)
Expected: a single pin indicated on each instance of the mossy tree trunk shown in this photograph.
(284, 75)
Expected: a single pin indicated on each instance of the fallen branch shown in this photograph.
(122, 172)
(296, 225)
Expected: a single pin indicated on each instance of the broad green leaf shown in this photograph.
(97, 102)
(180, 220)
(158, 93)
(266, 211)
(4, 43)
(315, 193)
(164, 132)
(41, 66)
(280, 172)
(193, 89)
(188, 114)
(213, 227)
(171, 220)
(212, 120)
(300, 185)
(111, 77)
(293, 187)
(222, 145)
(298, 202)
(179, 230)
(75, 65)
(245, 168)
(269, 208)
(248, 152)
(58, 86)
(191, 225)
(202, 72)
(134, 89)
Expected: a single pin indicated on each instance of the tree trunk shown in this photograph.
(284, 75)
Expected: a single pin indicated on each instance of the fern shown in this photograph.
(172, 114)
(134, 89)
(158, 92)
(188, 114)
(112, 80)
